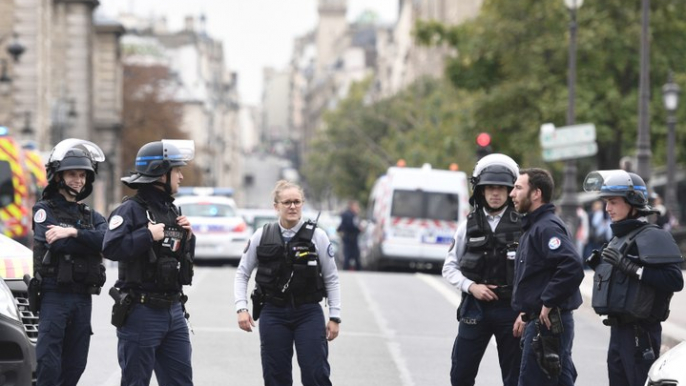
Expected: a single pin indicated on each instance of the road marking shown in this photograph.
(388, 334)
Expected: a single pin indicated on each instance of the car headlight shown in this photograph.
(8, 307)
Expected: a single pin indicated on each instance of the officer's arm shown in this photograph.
(245, 267)
(127, 235)
(559, 252)
(91, 239)
(664, 277)
(329, 272)
(42, 218)
(451, 266)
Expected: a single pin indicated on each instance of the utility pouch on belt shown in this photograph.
(555, 317)
(33, 285)
(257, 298)
(121, 308)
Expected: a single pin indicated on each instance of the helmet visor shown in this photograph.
(496, 159)
(178, 150)
(608, 182)
(61, 149)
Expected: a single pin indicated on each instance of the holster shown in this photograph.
(257, 298)
(547, 351)
(121, 308)
(33, 285)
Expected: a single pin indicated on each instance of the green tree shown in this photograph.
(513, 59)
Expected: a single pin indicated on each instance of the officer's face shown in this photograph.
(617, 208)
(521, 194)
(289, 206)
(74, 179)
(175, 179)
(495, 195)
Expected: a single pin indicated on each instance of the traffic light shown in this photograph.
(483, 141)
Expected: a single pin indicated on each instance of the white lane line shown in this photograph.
(388, 334)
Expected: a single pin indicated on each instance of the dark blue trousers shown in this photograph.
(530, 372)
(282, 327)
(158, 339)
(472, 340)
(626, 364)
(64, 335)
(351, 254)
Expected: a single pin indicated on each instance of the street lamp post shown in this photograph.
(670, 94)
(569, 200)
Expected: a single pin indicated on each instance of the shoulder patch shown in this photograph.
(452, 244)
(331, 250)
(40, 216)
(554, 243)
(115, 222)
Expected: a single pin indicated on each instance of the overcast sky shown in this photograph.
(256, 33)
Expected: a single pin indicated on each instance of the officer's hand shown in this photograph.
(519, 326)
(55, 233)
(157, 231)
(611, 256)
(545, 311)
(483, 292)
(332, 329)
(245, 321)
(185, 224)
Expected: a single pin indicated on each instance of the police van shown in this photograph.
(412, 217)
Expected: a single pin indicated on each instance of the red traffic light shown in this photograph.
(483, 139)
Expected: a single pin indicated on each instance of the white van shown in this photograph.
(413, 215)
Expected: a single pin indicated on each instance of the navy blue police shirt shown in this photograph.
(127, 237)
(548, 268)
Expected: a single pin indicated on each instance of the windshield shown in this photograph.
(6, 186)
(427, 205)
(208, 210)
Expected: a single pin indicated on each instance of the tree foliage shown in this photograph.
(150, 114)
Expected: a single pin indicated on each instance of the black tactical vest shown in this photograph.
(617, 294)
(83, 273)
(289, 270)
(489, 256)
(169, 263)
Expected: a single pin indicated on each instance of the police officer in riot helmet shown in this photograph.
(636, 274)
(67, 265)
(154, 245)
(480, 264)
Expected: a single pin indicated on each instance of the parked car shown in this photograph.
(256, 218)
(18, 325)
(668, 369)
(221, 232)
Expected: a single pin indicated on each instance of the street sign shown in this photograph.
(570, 152)
(552, 137)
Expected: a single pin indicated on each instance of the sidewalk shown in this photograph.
(673, 330)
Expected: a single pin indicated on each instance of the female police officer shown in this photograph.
(636, 274)
(67, 240)
(154, 245)
(295, 271)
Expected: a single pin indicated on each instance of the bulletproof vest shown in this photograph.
(617, 294)
(289, 270)
(489, 256)
(168, 264)
(70, 269)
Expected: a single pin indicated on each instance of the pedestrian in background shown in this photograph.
(295, 271)
(480, 264)
(350, 229)
(67, 262)
(154, 245)
(548, 272)
(636, 275)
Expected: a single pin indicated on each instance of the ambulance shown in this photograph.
(22, 178)
(412, 217)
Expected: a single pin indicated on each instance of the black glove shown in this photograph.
(613, 257)
(593, 259)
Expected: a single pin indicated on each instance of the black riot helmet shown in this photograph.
(493, 169)
(155, 159)
(620, 183)
(73, 154)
